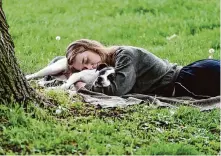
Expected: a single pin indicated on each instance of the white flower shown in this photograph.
(58, 38)
(58, 111)
(211, 51)
(171, 37)
(210, 57)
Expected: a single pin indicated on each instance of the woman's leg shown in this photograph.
(199, 78)
(56, 66)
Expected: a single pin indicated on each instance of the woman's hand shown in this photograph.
(79, 85)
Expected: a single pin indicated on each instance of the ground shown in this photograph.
(84, 129)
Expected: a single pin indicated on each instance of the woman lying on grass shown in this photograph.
(139, 71)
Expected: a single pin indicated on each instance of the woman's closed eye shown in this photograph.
(85, 60)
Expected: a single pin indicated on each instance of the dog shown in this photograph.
(58, 70)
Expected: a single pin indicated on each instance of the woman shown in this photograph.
(139, 71)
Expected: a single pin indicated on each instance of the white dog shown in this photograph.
(100, 77)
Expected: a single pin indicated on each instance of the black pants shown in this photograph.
(199, 79)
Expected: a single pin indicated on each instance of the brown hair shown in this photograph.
(107, 54)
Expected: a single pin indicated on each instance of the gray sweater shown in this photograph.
(139, 71)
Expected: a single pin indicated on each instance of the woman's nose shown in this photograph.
(94, 66)
(88, 66)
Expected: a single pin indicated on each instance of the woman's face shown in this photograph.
(86, 60)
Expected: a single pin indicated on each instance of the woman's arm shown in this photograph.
(125, 76)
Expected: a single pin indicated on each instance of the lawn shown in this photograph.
(85, 129)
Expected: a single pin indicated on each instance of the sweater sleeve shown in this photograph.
(125, 76)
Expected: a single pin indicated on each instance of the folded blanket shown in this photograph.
(106, 101)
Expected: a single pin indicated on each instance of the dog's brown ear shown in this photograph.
(101, 66)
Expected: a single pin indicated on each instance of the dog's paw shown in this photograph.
(64, 86)
(72, 93)
(52, 88)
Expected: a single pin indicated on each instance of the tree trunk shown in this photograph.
(13, 85)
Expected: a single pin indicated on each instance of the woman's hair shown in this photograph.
(107, 54)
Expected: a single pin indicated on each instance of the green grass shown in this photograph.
(85, 129)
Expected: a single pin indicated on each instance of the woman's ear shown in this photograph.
(101, 66)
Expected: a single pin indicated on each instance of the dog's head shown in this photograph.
(105, 77)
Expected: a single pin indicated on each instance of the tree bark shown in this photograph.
(13, 85)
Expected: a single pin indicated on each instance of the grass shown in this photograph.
(85, 129)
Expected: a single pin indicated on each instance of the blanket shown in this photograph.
(106, 101)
